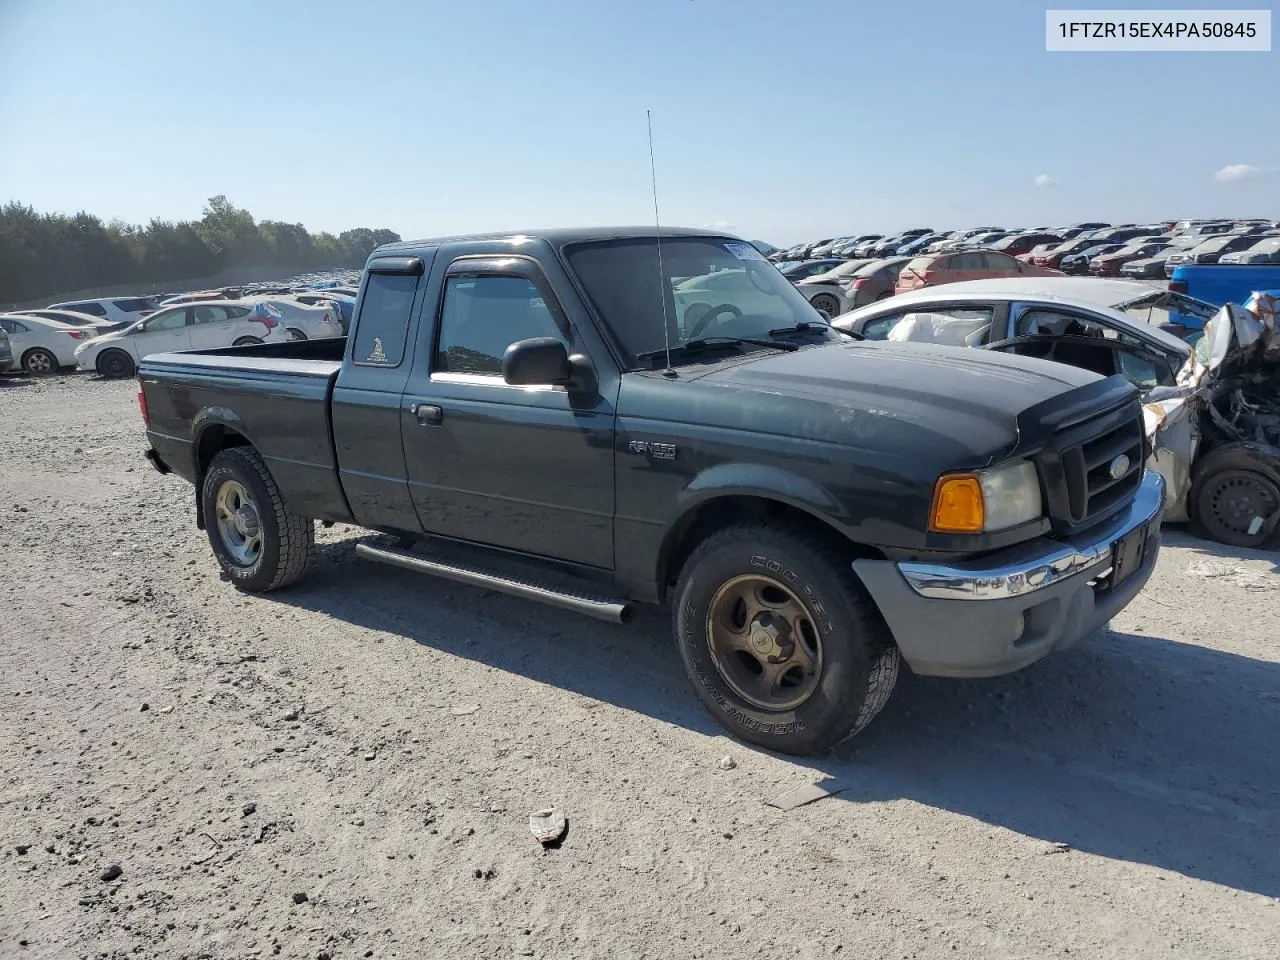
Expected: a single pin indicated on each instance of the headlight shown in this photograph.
(987, 500)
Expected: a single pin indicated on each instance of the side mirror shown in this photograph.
(539, 360)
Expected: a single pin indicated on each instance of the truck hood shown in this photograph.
(915, 401)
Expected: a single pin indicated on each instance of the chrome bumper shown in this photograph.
(1039, 563)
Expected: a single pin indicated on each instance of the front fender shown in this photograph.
(758, 480)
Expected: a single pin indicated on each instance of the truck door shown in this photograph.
(519, 467)
(366, 398)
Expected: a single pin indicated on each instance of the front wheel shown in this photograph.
(782, 643)
(1235, 496)
(259, 543)
(115, 364)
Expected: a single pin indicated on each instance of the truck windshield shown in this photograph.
(712, 287)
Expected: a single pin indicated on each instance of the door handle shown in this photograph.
(428, 414)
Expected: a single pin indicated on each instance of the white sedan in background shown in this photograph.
(191, 326)
(42, 346)
(303, 321)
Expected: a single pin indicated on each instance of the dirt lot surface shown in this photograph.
(347, 768)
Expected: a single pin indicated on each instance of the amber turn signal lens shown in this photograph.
(957, 504)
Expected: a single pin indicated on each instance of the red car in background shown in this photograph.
(1039, 250)
(1053, 257)
(966, 265)
(1109, 264)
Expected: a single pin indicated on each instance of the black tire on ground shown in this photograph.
(245, 341)
(295, 333)
(858, 661)
(827, 302)
(287, 540)
(1232, 486)
(115, 364)
(40, 362)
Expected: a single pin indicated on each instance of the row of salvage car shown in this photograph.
(111, 335)
(1210, 377)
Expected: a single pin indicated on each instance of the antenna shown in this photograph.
(662, 274)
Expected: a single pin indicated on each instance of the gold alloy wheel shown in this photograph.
(763, 642)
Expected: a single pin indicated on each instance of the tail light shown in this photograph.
(142, 407)
(77, 334)
(1177, 286)
(857, 284)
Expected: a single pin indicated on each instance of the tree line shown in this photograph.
(45, 254)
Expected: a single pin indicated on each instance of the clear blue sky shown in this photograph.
(783, 121)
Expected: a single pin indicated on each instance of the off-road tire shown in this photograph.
(288, 540)
(115, 364)
(860, 661)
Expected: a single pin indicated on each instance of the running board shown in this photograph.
(611, 610)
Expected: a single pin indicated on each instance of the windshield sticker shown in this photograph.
(378, 355)
(744, 251)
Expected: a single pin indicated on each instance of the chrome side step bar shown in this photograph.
(611, 610)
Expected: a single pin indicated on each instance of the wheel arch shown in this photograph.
(722, 498)
(214, 430)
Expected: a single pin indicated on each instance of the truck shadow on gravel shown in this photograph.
(1129, 746)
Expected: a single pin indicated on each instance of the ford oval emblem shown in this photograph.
(1119, 466)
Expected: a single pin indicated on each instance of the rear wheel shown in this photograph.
(782, 643)
(115, 364)
(295, 334)
(39, 362)
(1235, 497)
(259, 543)
(245, 341)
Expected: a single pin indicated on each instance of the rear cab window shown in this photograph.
(382, 325)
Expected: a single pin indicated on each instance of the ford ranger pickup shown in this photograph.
(601, 418)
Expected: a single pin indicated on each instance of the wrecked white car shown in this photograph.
(1215, 435)
(1212, 411)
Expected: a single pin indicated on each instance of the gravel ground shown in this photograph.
(346, 768)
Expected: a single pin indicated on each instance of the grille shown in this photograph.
(1077, 469)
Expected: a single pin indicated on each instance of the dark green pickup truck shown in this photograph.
(595, 419)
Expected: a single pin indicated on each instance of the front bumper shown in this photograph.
(991, 616)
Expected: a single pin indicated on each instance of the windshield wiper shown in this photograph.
(710, 343)
(808, 326)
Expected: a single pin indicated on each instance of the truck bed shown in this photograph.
(274, 395)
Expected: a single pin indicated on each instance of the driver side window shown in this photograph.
(482, 316)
